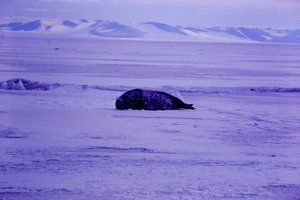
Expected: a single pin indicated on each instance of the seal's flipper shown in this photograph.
(188, 106)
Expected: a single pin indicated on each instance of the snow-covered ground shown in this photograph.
(241, 142)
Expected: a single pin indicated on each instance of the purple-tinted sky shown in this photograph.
(263, 13)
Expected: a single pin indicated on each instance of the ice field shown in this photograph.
(241, 142)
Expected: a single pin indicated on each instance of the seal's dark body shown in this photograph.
(138, 99)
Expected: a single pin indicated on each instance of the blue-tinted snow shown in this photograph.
(167, 28)
(84, 21)
(70, 23)
(255, 34)
(19, 26)
(113, 29)
(23, 84)
(69, 142)
(196, 29)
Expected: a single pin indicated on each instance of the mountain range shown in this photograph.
(149, 31)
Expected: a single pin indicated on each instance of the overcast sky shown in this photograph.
(259, 13)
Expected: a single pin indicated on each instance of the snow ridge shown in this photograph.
(23, 84)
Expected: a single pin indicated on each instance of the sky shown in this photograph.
(206, 13)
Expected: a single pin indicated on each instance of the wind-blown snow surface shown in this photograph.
(69, 142)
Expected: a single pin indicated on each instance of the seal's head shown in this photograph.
(120, 104)
(131, 99)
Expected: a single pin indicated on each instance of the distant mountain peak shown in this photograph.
(19, 26)
(69, 23)
(84, 21)
(167, 28)
(114, 30)
(153, 31)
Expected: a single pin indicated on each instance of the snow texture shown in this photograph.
(69, 141)
(23, 84)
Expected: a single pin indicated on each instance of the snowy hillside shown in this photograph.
(151, 31)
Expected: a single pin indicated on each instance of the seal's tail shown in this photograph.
(188, 106)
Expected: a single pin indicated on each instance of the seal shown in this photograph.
(138, 99)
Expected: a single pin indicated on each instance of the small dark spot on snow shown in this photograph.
(56, 48)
